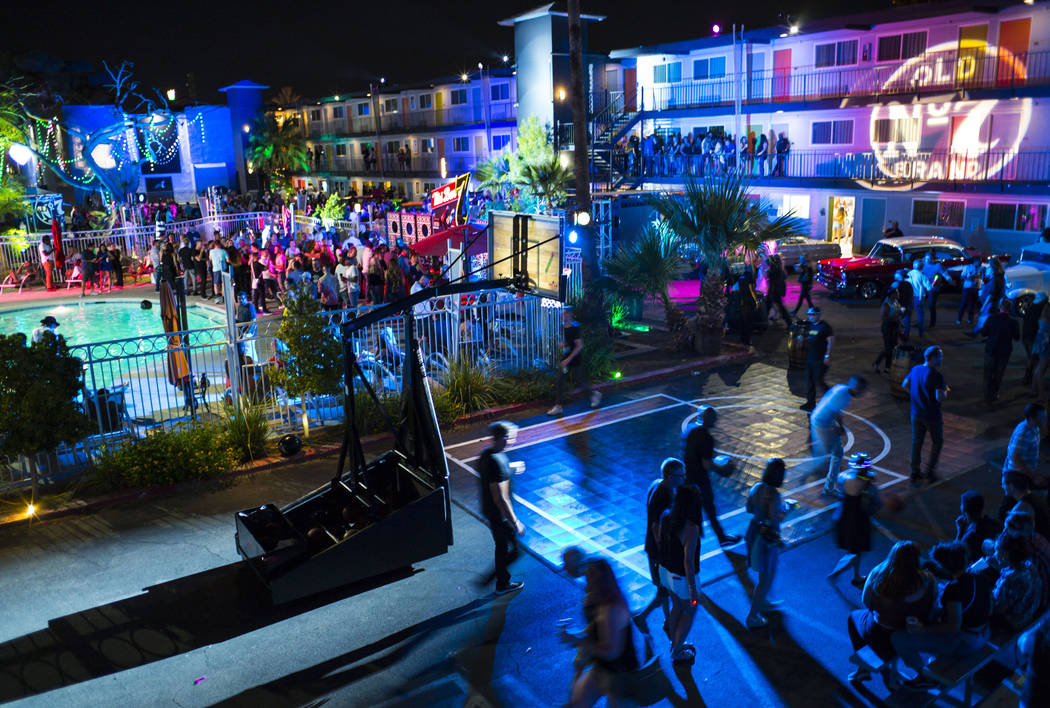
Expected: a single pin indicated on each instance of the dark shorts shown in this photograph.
(654, 571)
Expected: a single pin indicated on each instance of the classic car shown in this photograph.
(869, 276)
(1031, 274)
(790, 249)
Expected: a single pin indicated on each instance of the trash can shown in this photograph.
(797, 344)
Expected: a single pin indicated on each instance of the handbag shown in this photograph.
(647, 684)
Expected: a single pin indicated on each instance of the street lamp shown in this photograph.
(170, 93)
(19, 154)
(505, 58)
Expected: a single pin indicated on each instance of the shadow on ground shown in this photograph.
(168, 619)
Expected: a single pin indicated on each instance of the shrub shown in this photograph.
(446, 409)
(368, 416)
(247, 430)
(468, 386)
(598, 351)
(524, 385)
(196, 451)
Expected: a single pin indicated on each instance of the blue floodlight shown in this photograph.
(573, 236)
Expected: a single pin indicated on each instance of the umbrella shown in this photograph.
(178, 364)
(56, 242)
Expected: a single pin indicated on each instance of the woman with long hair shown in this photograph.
(607, 640)
(680, 531)
(896, 589)
(853, 518)
(763, 538)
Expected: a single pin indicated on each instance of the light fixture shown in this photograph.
(583, 218)
(444, 169)
(246, 128)
(170, 93)
(573, 236)
(1029, 2)
(19, 154)
(783, 34)
(563, 159)
(505, 58)
(30, 510)
(335, 97)
(480, 66)
(463, 76)
(561, 94)
(382, 79)
(716, 29)
(793, 29)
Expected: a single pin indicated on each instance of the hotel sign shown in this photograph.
(954, 138)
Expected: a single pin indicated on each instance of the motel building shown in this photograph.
(935, 116)
(447, 125)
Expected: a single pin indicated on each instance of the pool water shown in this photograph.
(86, 322)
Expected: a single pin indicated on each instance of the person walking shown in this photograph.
(1002, 331)
(1029, 330)
(890, 313)
(571, 365)
(497, 507)
(819, 340)
(992, 291)
(763, 543)
(860, 500)
(658, 500)
(777, 287)
(920, 287)
(828, 430)
(934, 272)
(971, 280)
(680, 530)
(698, 452)
(748, 299)
(805, 285)
(927, 389)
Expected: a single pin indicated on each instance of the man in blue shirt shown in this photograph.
(970, 281)
(1002, 330)
(938, 277)
(927, 389)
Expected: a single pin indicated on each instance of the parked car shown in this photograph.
(870, 275)
(790, 249)
(1031, 274)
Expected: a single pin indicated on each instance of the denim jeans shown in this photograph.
(919, 427)
(827, 442)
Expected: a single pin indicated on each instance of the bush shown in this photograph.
(598, 347)
(470, 387)
(197, 451)
(446, 409)
(368, 416)
(247, 430)
(525, 385)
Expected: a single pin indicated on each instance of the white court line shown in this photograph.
(583, 539)
(568, 433)
(568, 417)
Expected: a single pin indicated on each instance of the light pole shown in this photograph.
(375, 123)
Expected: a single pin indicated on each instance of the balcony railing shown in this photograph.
(903, 167)
(469, 114)
(428, 164)
(937, 73)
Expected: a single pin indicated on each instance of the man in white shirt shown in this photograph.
(920, 286)
(47, 327)
(47, 259)
(827, 429)
(218, 257)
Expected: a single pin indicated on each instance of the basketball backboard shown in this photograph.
(527, 247)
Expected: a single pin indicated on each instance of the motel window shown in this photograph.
(390, 105)
(460, 144)
(391, 146)
(501, 92)
(896, 130)
(315, 114)
(338, 111)
(499, 142)
(937, 212)
(459, 97)
(363, 109)
(426, 101)
(667, 73)
(713, 68)
(901, 46)
(340, 150)
(836, 54)
(833, 132)
(1017, 217)
(426, 144)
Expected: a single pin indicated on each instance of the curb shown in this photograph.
(270, 464)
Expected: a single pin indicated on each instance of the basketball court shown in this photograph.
(587, 473)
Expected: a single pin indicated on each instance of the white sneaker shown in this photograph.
(596, 398)
(554, 411)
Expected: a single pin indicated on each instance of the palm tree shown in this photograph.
(277, 149)
(286, 97)
(646, 266)
(494, 175)
(548, 180)
(721, 218)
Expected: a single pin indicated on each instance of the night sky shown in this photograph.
(327, 48)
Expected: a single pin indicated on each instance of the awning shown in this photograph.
(437, 244)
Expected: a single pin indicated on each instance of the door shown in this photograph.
(756, 80)
(969, 65)
(439, 100)
(475, 95)
(1013, 52)
(872, 218)
(781, 74)
(630, 89)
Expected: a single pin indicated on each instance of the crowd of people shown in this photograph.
(668, 154)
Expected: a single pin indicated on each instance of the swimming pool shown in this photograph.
(86, 322)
